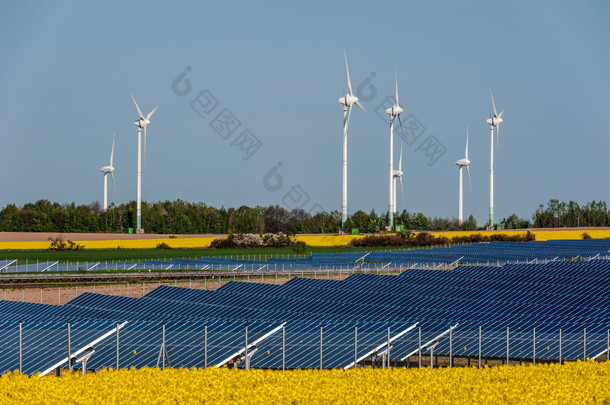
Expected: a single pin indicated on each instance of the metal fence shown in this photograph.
(48, 347)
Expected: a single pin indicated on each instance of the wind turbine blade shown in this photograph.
(400, 158)
(112, 152)
(116, 195)
(139, 112)
(150, 114)
(468, 171)
(349, 82)
(396, 77)
(360, 105)
(501, 112)
(493, 103)
(467, 142)
(401, 130)
(349, 114)
(144, 146)
(402, 190)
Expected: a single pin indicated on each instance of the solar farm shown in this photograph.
(465, 305)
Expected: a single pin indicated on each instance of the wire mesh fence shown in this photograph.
(51, 346)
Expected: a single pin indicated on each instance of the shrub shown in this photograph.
(299, 246)
(58, 243)
(585, 235)
(163, 245)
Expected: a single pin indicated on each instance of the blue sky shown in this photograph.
(67, 69)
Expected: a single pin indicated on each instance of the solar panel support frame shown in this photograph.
(384, 348)
(433, 341)
(5, 267)
(251, 345)
(81, 350)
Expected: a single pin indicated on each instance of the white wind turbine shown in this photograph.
(347, 101)
(463, 163)
(109, 170)
(494, 122)
(394, 112)
(141, 123)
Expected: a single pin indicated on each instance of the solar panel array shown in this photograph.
(497, 253)
(522, 311)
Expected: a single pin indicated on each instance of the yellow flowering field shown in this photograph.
(311, 240)
(573, 383)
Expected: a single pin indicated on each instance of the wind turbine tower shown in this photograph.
(348, 102)
(463, 163)
(394, 112)
(141, 123)
(494, 122)
(109, 170)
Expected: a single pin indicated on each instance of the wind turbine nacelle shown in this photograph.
(490, 121)
(462, 162)
(398, 173)
(350, 100)
(394, 111)
(342, 100)
(106, 169)
(497, 121)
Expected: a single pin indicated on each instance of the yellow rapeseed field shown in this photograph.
(311, 240)
(573, 383)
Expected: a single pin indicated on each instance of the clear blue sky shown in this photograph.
(67, 69)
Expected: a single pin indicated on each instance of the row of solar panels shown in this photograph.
(567, 303)
(482, 253)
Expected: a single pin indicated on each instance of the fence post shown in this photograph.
(584, 345)
(450, 346)
(321, 342)
(41, 295)
(163, 350)
(479, 347)
(507, 345)
(117, 346)
(23, 295)
(205, 346)
(534, 351)
(559, 346)
(76, 288)
(388, 350)
(59, 295)
(69, 350)
(608, 345)
(355, 347)
(419, 346)
(20, 349)
(283, 348)
(246, 352)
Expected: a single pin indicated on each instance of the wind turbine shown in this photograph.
(348, 102)
(109, 170)
(141, 123)
(394, 112)
(494, 122)
(398, 175)
(463, 163)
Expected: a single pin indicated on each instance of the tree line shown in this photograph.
(180, 217)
